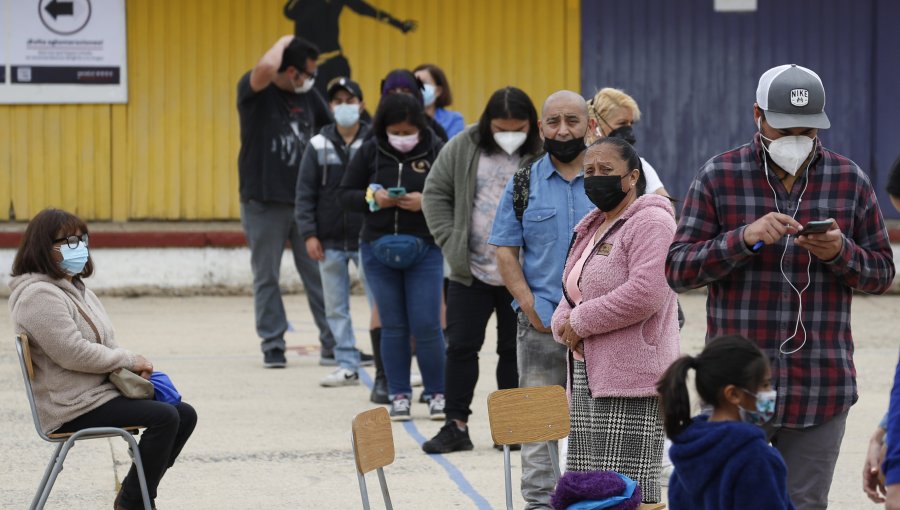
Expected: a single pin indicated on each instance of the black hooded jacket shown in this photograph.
(378, 162)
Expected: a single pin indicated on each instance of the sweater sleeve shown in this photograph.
(761, 483)
(307, 197)
(892, 457)
(356, 180)
(641, 296)
(560, 316)
(439, 193)
(47, 319)
(700, 253)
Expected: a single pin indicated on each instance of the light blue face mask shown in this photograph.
(74, 259)
(765, 408)
(346, 115)
(429, 94)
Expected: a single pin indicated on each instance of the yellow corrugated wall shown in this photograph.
(171, 152)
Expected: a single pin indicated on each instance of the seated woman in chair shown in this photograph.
(73, 350)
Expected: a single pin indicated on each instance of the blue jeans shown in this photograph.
(409, 303)
(542, 362)
(335, 272)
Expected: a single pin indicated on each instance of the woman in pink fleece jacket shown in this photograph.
(618, 317)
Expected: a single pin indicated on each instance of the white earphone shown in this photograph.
(798, 325)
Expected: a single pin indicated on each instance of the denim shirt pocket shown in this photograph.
(539, 227)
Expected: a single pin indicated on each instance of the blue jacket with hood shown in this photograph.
(726, 465)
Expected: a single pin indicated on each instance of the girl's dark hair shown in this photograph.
(35, 253)
(509, 103)
(440, 80)
(731, 359)
(627, 153)
(396, 108)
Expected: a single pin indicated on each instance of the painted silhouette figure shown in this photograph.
(317, 22)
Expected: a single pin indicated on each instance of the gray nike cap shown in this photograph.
(792, 96)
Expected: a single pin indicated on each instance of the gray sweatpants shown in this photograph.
(811, 455)
(268, 226)
(542, 362)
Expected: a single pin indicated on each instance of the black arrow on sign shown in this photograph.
(57, 9)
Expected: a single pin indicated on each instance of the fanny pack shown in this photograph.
(399, 251)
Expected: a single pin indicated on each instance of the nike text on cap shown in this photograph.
(792, 97)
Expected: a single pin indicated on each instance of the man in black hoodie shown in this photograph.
(331, 233)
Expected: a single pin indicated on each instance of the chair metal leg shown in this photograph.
(554, 457)
(363, 492)
(507, 475)
(139, 465)
(40, 490)
(384, 489)
(57, 467)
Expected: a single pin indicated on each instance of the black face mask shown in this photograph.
(564, 151)
(605, 191)
(625, 133)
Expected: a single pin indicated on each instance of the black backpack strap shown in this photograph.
(521, 189)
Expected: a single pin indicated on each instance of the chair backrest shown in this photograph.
(24, 352)
(528, 415)
(373, 440)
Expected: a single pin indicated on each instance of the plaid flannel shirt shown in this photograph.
(748, 294)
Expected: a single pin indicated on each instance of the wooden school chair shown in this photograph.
(373, 448)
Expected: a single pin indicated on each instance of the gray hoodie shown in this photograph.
(71, 365)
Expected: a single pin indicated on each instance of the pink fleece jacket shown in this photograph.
(629, 316)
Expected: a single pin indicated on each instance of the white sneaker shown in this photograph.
(415, 379)
(436, 407)
(340, 377)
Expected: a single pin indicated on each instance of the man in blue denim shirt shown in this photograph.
(556, 203)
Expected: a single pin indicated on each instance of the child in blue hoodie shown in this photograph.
(723, 460)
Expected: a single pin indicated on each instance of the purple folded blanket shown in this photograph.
(575, 486)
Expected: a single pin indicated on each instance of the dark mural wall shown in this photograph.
(694, 71)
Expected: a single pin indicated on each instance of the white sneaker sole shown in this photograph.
(338, 384)
(404, 417)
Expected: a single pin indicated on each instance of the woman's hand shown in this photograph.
(384, 200)
(872, 484)
(410, 201)
(142, 366)
(571, 339)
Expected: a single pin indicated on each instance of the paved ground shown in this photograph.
(273, 439)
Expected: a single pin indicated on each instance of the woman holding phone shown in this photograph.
(402, 263)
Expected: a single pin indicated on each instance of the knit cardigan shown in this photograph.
(628, 316)
(71, 365)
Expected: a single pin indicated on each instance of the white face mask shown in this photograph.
(306, 87)
(789, 152)
(510, 141)
(429, 95)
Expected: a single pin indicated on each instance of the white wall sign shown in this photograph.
(63, 51)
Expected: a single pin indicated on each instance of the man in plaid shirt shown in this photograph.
(741, 234)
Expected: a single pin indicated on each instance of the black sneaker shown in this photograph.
(449, 439)
(512, 447)
(326, 359)
(366, 360)
(274, 358)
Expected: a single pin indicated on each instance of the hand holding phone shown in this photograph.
(816, 227)
(396, 192)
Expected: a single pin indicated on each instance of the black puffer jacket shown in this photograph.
(318, 209)
(378, 162)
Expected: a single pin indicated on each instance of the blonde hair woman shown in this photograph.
(612, 113)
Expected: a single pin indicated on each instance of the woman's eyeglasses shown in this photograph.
(72, 241)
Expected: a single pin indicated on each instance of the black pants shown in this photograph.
(168, 428)
(468, 312)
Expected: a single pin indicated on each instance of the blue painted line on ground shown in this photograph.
(455, 474)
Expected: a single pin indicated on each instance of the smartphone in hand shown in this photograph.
(396, 192)
(816, 227)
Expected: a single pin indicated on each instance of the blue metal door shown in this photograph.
(694, 71)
